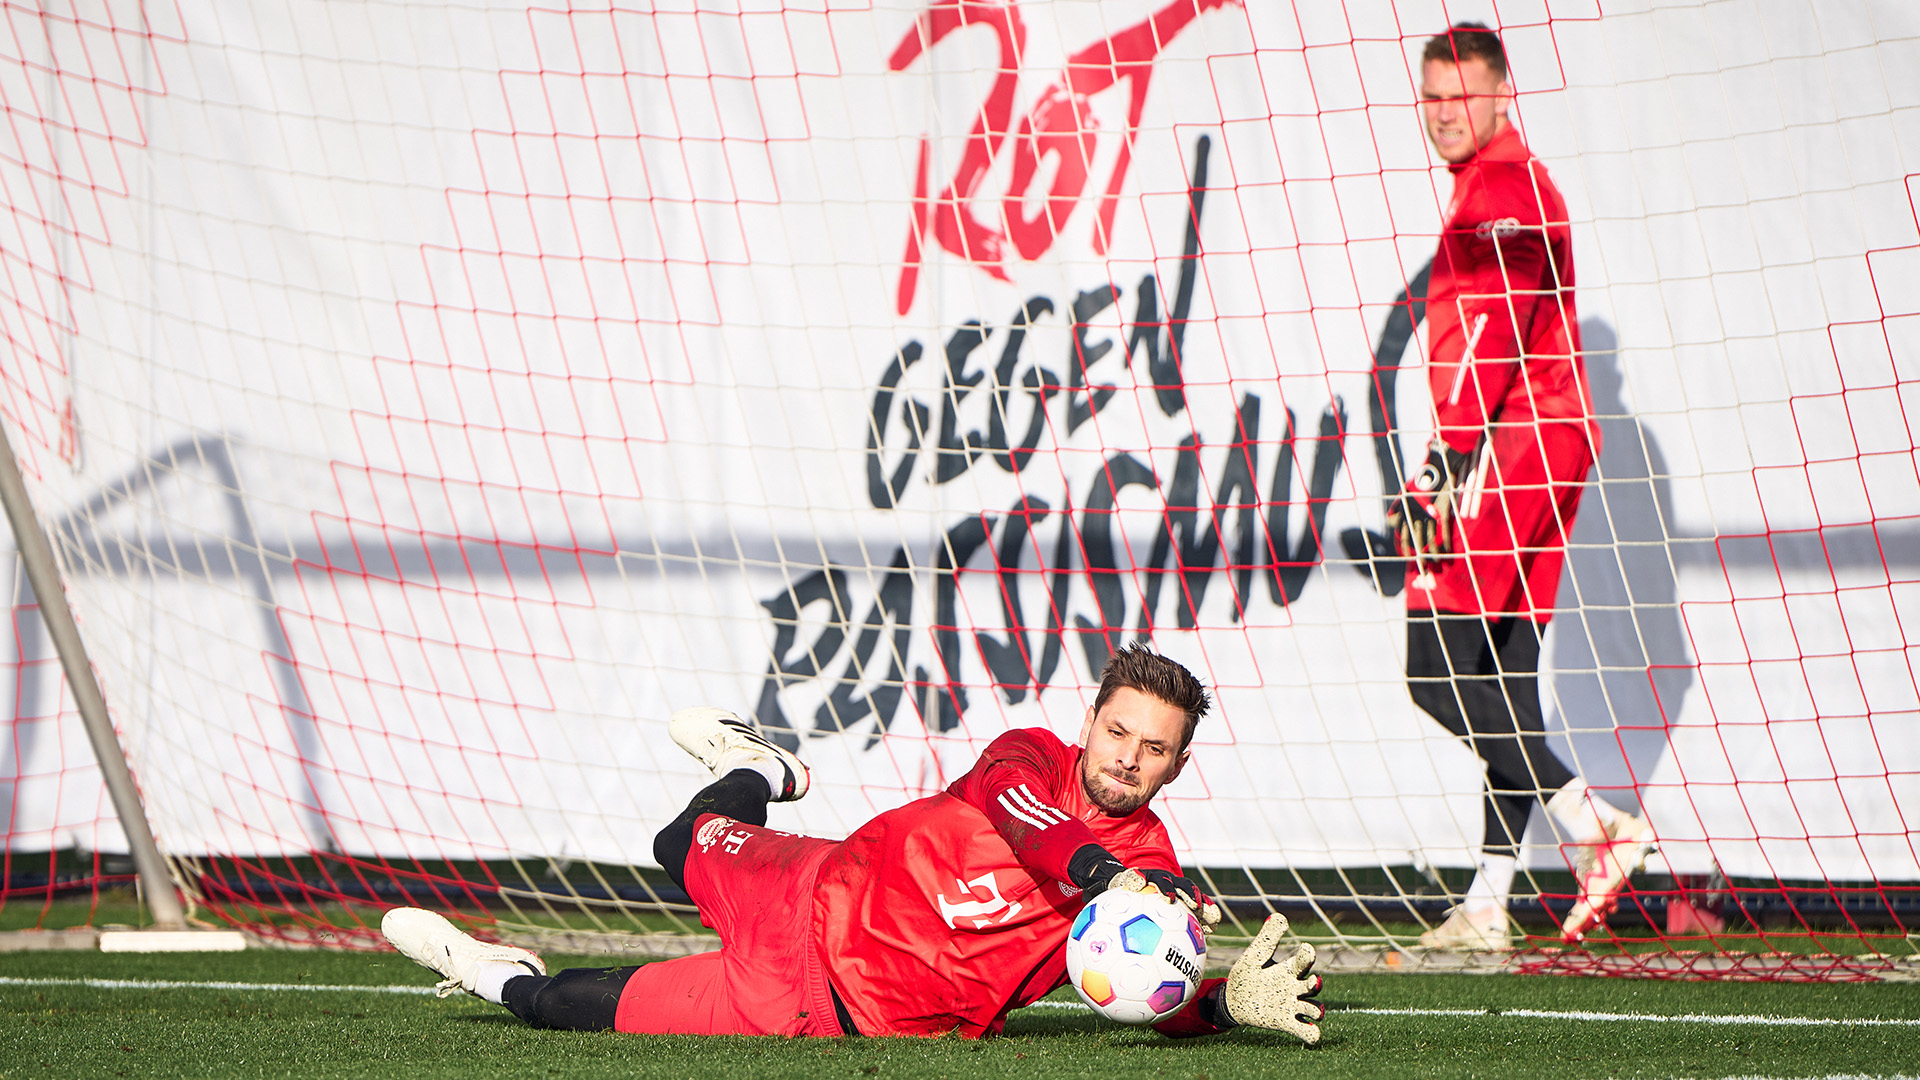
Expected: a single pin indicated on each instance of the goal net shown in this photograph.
(426, 399)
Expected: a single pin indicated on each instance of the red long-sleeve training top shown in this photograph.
(946, 913)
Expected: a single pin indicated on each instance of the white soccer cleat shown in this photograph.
(723, 741)
(1482, 931)
(1603, 875)
(432, 942)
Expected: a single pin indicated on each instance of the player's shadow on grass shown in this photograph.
(493, 1019)
(1078, 1024)
(1045, 1023)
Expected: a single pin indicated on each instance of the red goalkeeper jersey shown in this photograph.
(1503, 337)
(946, 913)
(1506, 376)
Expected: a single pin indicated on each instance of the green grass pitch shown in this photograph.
(51, 1025)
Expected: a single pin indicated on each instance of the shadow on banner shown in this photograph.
(1617, 649)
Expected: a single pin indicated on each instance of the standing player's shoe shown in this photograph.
(432, 942)
(1481, 931)
(723, 742)
(1629, 840)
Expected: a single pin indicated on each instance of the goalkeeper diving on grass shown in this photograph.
(937, 917)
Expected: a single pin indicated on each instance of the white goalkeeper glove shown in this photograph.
(1100, 871)
(1275, 994)
(1421, 519)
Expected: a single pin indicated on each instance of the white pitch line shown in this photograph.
(162, 984)
(1656, 1018)
(1525, 1014)
(1549, 1014)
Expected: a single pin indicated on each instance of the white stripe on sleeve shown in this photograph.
(1007, 805)
(1466, 359)
(1035, 806)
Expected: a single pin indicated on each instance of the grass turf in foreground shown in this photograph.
(64, 1030)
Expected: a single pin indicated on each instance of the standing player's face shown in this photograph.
(1132, 750)
(1464, 106)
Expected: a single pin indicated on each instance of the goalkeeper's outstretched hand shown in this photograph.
(1421, 519)
(1180, 890)
(1275, 994)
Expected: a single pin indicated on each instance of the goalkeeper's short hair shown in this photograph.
(1139, 668)
(1465, 41)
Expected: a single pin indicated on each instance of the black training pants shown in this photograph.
(1479, 678)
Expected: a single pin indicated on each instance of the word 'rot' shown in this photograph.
(1060, 124)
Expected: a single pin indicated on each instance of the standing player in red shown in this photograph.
(940, 916)
(1485, 521)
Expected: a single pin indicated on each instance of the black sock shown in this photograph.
(741, 795)
(577, 999)
(517, 994)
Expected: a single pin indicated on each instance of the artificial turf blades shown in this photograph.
(77, 1030)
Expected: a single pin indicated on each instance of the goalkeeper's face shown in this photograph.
(1132, 748)
(1464, 106)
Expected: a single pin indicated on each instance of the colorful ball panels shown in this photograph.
(1135, 957)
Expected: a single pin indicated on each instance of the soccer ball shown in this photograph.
(1135, 957)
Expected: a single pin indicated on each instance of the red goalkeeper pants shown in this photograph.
(754, 886)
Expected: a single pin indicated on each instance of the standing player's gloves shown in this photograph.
(1095, 871)
(1275, 994)
(1421, 519)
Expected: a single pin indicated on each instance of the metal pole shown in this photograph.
(44, 576)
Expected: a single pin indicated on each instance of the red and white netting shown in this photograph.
(428, 399)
